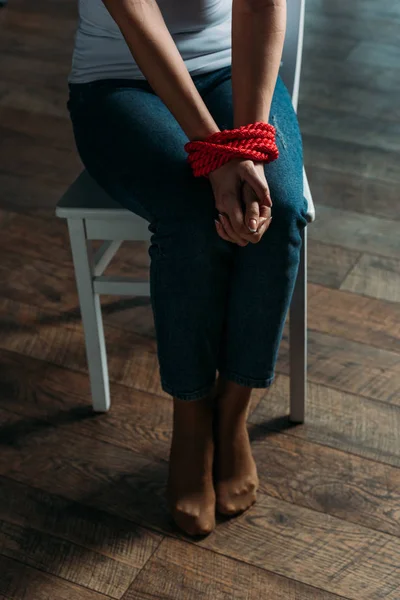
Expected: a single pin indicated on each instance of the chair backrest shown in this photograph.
(293, 48)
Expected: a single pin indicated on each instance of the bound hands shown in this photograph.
(241, 194)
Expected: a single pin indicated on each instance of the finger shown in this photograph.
(252, 208)
(222, 233)
(265, 211)
(256, 237)
(236, 220)
(258, 184)
(230, 231)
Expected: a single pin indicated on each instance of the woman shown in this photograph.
(148, 77)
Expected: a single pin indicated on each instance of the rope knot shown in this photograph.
(255, 141)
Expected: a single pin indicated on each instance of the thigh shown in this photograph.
(130, 142)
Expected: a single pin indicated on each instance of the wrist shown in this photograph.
(203, 132)
(255, 141)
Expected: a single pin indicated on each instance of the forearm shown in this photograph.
(154, 50)
(258, 32)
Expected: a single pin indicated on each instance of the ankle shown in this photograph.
(192, 415)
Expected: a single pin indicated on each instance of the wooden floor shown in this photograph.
(82, 510)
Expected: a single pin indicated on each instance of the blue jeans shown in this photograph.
(216, 306)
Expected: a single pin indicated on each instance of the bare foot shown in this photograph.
(235, 469)
(190, 488)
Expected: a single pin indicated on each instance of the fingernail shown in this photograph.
(217, 222)
(253, 225)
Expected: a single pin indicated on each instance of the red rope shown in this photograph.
(255, 141)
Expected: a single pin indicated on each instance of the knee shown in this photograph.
(289, 212)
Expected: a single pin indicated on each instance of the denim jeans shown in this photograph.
(216, 306)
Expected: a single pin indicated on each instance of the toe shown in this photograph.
(193, 521)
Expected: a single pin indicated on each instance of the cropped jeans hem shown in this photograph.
(207, 389)
(248, 381)
(196, 395)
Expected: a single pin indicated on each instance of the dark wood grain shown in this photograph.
(348, 366)
(179, 570)
(28, 508)
(348, 191)
(66, 560)
(345, 314)
(313, 548)
(21, 582)
(356, 231)
(375, 276)
(328, 264)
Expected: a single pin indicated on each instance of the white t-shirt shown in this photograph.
(201, 30)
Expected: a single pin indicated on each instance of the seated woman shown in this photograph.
(147, 78)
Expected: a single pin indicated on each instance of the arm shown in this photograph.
(258, 32)
(153, 48)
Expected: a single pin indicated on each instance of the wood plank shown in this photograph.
(66, 560)
(27, 157)
(350, 128)
(40, 99)
(354, 317)
(23, 17)
(5, 219)
(348, 366)
(49, 75)
(384, 9)
(182, 570)
(366, 77)
(375, 276)
(313, 548)
(20, 582)
(329, 457)
(88, 471)
(352, 100)
(328, 46)
(341, 421)
(22, 42)
(327, 264)
(51, 397)
(307, 530)
(33, 126)
(38, 282)
(351, 158)
(50, 239)
(340, 25)
(358, 194)
(132, 358)
(29, 508)
(28, 195)
(355, 231)
(380, 55)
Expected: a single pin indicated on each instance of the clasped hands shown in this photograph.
(243, 201)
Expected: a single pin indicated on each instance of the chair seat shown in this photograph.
(85, 199)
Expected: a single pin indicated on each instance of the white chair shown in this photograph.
(92, 215)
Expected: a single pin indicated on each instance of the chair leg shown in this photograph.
(91, 316)
(298, 339)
